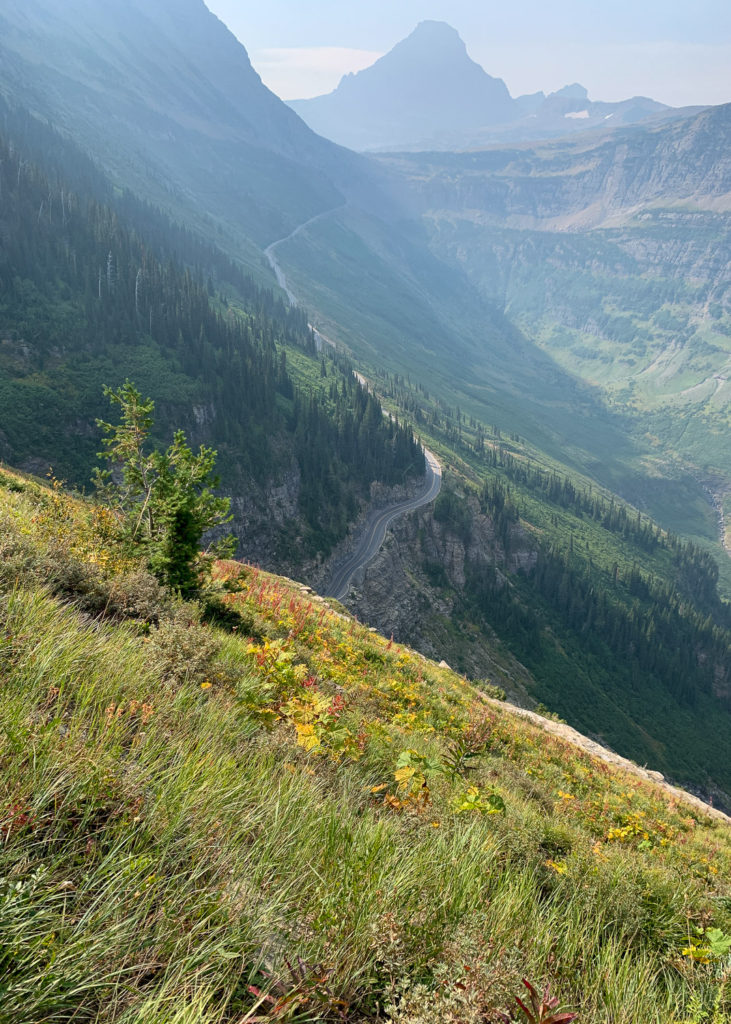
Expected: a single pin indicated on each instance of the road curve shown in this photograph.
(374, 532)
(274, 263)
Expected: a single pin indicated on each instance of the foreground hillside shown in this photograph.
(276, 814)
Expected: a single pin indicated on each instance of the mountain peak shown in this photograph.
(435, 33)
(572, 92)
(438, 29)
(425, 85)
(431, 45)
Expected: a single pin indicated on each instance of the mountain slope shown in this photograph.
(98, 288)
(575, 184)
(199, 825)
(613, 253)
(139, 84)
(362, 266)
(424, 86)
(370, 280)
(208, 171)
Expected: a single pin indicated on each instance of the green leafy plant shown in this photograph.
(411, 774)
(475, 801)
(411, 764)
(708, 945)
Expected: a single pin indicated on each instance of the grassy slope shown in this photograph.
(189, 814)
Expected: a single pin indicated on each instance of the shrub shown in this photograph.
(182, 648)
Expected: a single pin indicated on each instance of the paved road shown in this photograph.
(374, 532)
(269, 252)
(378, 521)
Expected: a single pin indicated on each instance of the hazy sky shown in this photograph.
(677, 52)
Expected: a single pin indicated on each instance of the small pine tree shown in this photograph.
(164, 500)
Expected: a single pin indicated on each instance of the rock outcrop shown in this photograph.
(412, 587)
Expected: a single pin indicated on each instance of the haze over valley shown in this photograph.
(414, 407)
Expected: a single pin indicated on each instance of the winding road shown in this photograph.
(379, 520)
(274, 263)
(374, 531)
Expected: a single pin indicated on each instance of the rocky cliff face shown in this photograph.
(269, 525)
(415, 583)
(613, 253)
(584, 183)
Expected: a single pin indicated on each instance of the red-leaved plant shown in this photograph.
(296, 998)
(541, 1008)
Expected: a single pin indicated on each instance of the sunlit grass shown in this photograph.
(210, 841)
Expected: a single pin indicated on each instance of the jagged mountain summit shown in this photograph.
(427, 93)
(425, 85)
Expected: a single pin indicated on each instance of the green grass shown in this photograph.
(173, 845)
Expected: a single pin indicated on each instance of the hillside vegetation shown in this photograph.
(611, 253)
(253, 808)
(618, 623)
(97, 288)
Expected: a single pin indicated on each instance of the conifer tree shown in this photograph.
(164, 499)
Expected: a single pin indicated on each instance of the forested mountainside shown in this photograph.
(378, 291)
(229, 159)
(561, 593)
(93, 293)
(167, 100)
(96, 290)
(248, 806)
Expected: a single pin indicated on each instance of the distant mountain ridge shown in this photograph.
(427, 93)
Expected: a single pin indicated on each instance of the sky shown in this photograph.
(676, 52)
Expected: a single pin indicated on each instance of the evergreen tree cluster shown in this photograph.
(644, 627)
(96, 289)
(582, 501)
